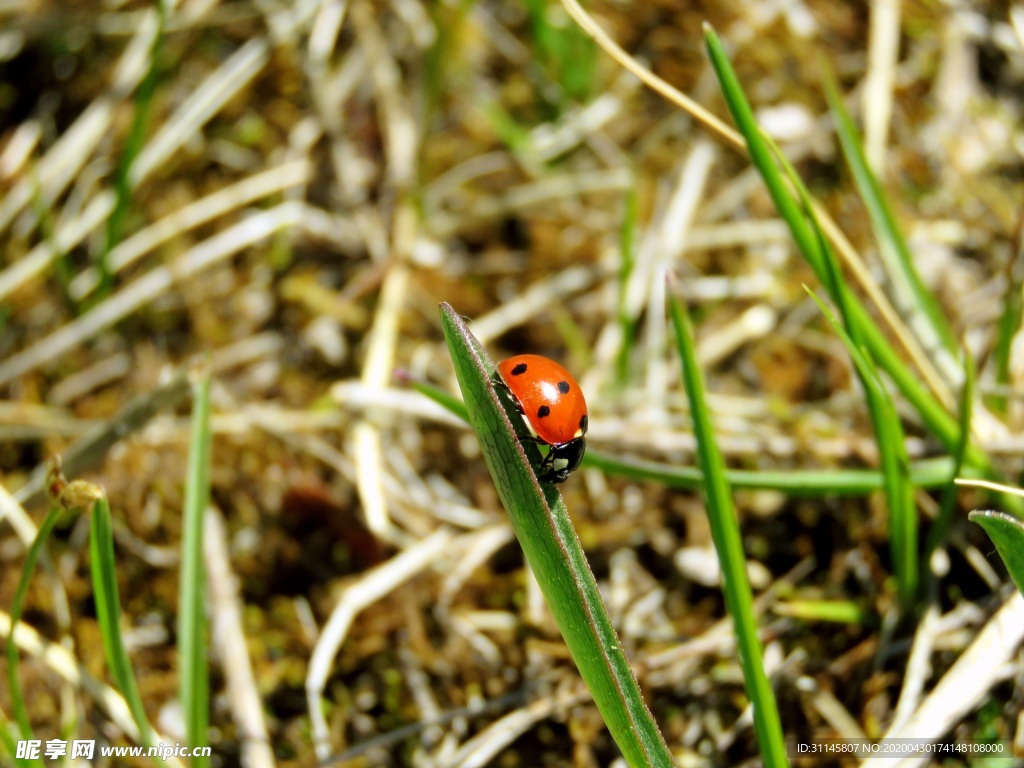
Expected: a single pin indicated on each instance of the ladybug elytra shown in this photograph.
(553, 407)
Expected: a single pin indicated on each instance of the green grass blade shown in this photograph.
(1007, 533)
(903, 529)
(928, 473)
(31, 559)
(899, 493)
(195, 683)
(136, 138)
(802, 483)
(932, 413)
(938, 420)
(832, 611)
(1009, 320)
(914, 296)
(108, 613)
(541, 523)
(627, 258)
(566, 52)
(725, 532)
(7, 740)
(944, 519)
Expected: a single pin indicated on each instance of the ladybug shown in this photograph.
(552, 405)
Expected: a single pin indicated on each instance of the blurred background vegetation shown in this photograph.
(292, 188)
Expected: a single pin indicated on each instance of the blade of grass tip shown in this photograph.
(725, 533)
(903, 528)
(903, 535)
(195, 683)
(928, 473)
(932, 413)
(31, 559)
(103, 565)
(541, 523)
(940, 526)
(1007, 533)
(892, 244)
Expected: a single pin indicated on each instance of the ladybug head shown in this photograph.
(562, 460)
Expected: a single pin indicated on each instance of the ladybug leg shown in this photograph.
(546, 469)
(546, 464)
(499, 383)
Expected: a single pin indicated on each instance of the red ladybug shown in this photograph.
(553, 408)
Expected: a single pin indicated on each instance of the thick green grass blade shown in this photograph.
(928, 473)
(108, 613)
(195, 682)
(1007, 533)
(541, 523)
(14, 681)
(725, 532)
(914, 297)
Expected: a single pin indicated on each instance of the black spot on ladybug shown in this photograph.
(519, 369)
(583, 423)
(543, 411)
(563, 387)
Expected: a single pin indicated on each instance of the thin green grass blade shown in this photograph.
(440, 396)
(108, 614)
(7, 741)
(1009, 320)
(725, 532)
(31, 559)
(541, 522)
(1007, 533)
(903, 528)
(575, 340)
(917, 301)
(899, 493)
(195, 682)
(565, 51)
(514, 135)
(799, 483)
(935, 417)
(63, 265)
(123, 190)
(627, 258)
(947, 505)
(928, 473)
(932, 413)
(832, 611)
